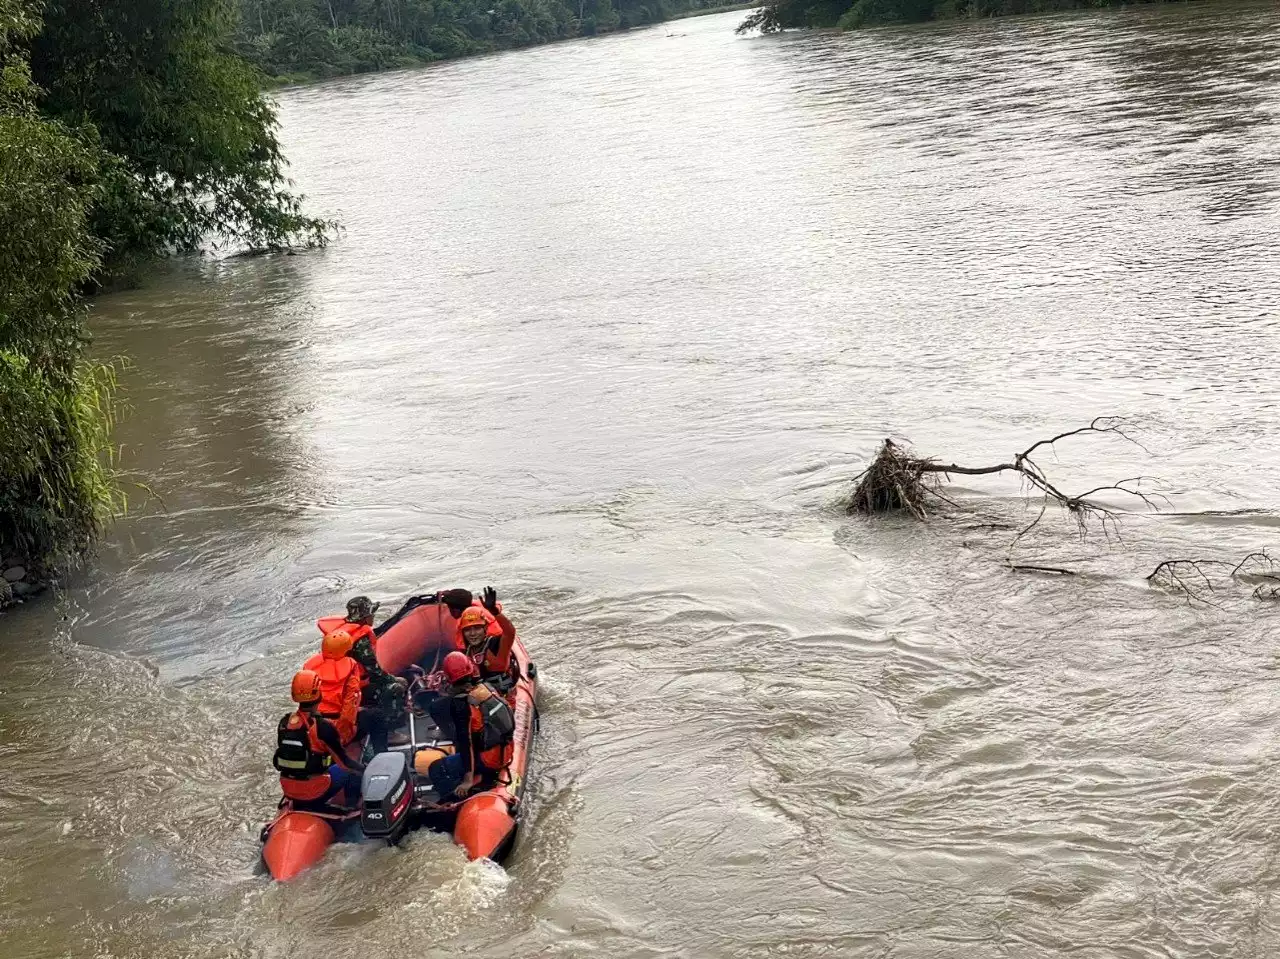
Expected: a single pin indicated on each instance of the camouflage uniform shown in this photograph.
(384, 694)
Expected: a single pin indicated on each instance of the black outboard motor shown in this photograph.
(387, 796)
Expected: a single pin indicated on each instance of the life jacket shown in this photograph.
(327, 624)
(490, 664)
(359, 631)
(495, 724)
(299, 752)
(305, 790)
(337, 679)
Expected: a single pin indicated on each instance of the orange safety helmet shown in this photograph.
(306, 686)
(458, 666)
(472, 616)
(337, 644)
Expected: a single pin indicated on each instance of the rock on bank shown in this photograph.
(19, 581)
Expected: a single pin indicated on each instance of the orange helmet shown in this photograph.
(306, 686)
(337, 644)
(472, 616)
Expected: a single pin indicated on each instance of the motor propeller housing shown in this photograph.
(387, 796)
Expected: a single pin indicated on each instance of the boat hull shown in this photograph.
(295, 843)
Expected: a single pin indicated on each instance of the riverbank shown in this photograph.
(854, 14)
(291, 50)
(20, 581)
(711, 11)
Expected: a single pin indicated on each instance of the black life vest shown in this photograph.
(498, 722)
(296, 756)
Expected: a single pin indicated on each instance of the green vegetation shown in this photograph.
(127, 131)
(191, 141)
(851, 14)
(301, 39)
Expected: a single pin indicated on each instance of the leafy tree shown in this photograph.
(55, 486)
(284, 37)
(128, 129)
(851, 14)
(191, 140)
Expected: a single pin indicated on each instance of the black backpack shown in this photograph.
(499, 722)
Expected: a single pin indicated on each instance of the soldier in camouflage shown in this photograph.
(385, 694)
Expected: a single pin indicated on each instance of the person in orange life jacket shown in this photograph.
(313, 763)
(483, 723)
(486, 636)
(341, 680)
(493, 635)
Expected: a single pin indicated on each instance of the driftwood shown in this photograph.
(1028, 568)
(900, 481)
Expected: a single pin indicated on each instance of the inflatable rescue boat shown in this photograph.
(396, 794)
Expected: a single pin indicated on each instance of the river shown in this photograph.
(612, 326)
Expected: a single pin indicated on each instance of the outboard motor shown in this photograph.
(387, 796)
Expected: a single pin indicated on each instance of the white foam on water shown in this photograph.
(470, 889)
(477, 886)
(484, 883)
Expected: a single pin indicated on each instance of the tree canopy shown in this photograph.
(191, 142)
(851, 14)
(292, 38)
(128, 130)
(50, 496)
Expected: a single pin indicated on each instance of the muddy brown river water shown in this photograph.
(612, 325)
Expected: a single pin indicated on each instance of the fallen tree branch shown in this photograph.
(1027, 568)
(898, 480)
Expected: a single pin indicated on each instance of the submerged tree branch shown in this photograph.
(1194, 577)
(1029, 568)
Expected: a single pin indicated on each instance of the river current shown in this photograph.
(612, 326)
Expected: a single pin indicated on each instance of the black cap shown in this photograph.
(362, 607)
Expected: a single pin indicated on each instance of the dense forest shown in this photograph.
(850, 14)
(128, 131)
(295, 39)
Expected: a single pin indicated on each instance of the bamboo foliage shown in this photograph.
(56, 409)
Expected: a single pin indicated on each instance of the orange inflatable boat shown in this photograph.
(396, 794)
